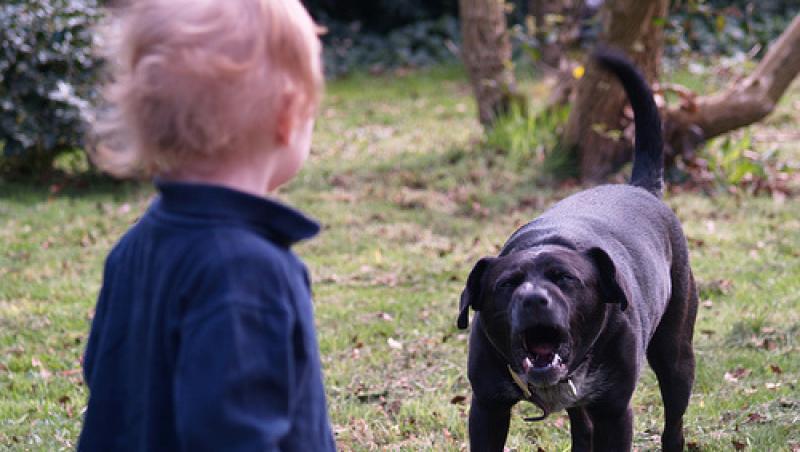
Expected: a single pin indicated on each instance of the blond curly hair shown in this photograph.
(201, 79)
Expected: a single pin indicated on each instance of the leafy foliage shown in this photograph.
(47, 75)
(380, 16)
(732, 163)
(419, 44)
(387, 34)
(717, 27)
(532, 139)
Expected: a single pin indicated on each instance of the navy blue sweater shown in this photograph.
(203, 337)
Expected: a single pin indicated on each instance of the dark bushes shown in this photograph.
(380, 16)
(47, 76)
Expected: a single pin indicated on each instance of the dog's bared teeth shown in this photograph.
(526, 364)
(556, 360)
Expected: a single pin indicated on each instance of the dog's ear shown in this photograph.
(612, 284)
(473, 292)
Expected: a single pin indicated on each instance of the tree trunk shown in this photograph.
(486, 53)
(550, 20)
(635, 27)
(746, 101)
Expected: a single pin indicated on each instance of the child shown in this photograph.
(203, 337)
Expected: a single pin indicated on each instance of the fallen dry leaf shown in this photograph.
(769, 345)
(560, 422)
(385, 316)
(736, 374)
(755, 417)
(43, 372)
(447, 435)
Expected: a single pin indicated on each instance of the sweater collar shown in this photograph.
(281, 222)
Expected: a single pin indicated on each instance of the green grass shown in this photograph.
(410, 199)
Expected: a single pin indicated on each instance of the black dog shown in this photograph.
(579, 296)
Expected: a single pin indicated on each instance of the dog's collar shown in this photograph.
(527, 394)
(534, 398)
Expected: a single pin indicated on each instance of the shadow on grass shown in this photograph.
(89, 184)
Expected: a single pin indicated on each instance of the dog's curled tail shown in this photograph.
(648, 154)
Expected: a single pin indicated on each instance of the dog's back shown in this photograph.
(618, 209)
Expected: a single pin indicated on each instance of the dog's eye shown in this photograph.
(560, 277)
(508, 283)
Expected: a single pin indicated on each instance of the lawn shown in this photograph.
(410, 197)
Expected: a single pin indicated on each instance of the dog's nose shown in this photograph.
(532, 296)
(537, 300)
(537, 304)
(532, 305)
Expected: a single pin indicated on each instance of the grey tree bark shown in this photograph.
(635, 27)
(744, 102)
(554, 21)
(486, 53)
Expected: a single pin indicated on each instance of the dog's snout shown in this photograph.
(533, 305)
(539, 300)
(532, 297)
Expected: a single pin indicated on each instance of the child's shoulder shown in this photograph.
(237, 249)
(238, 268)
(215, 251)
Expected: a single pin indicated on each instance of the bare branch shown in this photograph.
(747, 100)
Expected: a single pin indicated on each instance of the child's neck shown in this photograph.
(252, 174)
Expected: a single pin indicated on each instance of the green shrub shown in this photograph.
(727, 27)
(733, 162)
(380, 16)
(47, 78)
(532, 141)
(348, 47)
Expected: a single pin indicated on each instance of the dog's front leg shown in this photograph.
(488, 425)
(613, 428)
(580, 427)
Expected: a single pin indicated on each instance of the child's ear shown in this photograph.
(290, 117)
(285, 123)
